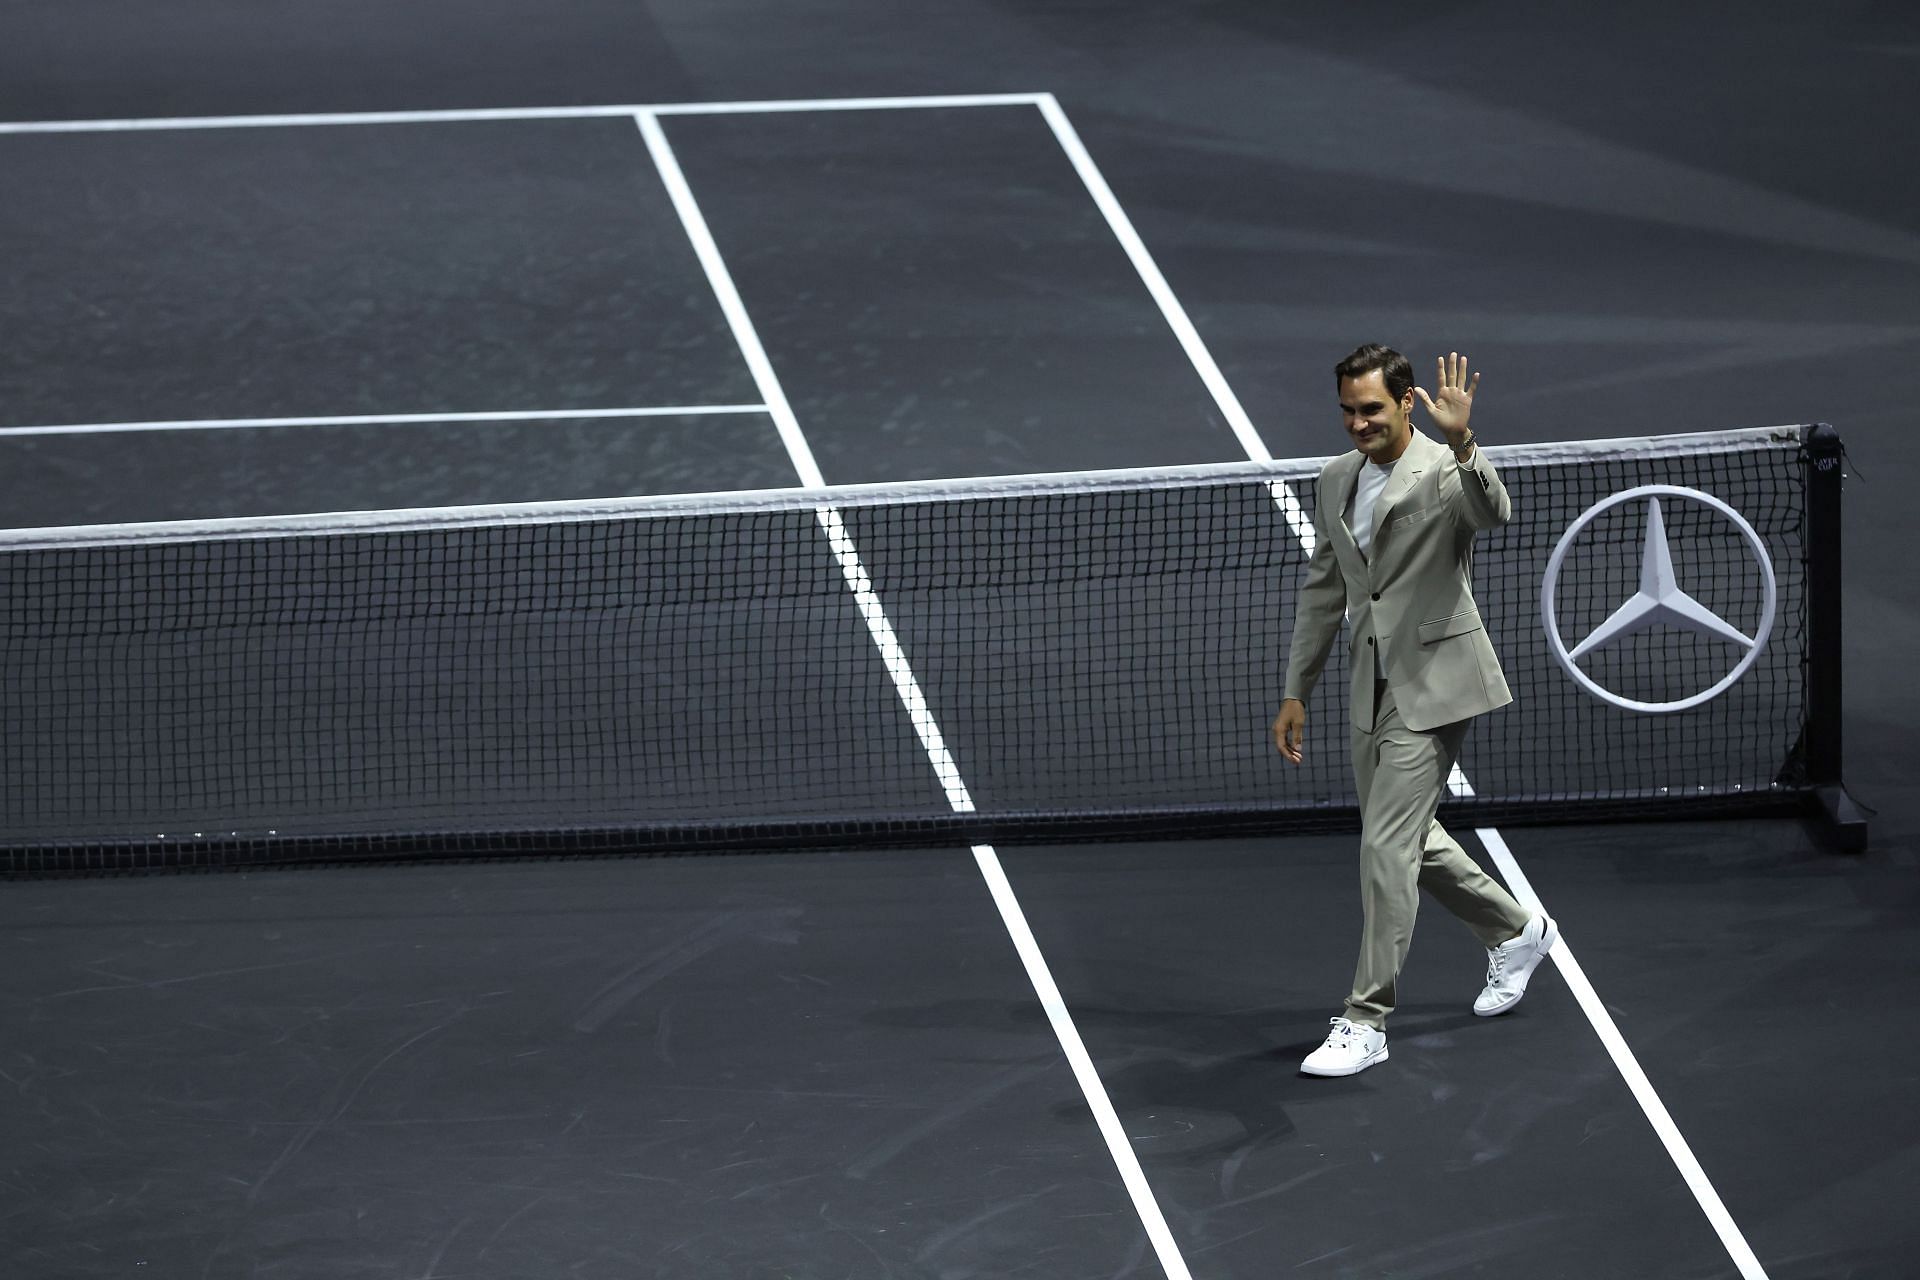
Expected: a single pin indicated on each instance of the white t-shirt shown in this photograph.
(1373, 482)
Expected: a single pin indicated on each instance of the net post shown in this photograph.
(1824, 458)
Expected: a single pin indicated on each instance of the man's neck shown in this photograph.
(1405, 444)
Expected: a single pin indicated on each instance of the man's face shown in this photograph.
(1379, 425)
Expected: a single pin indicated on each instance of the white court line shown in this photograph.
(1629, 1067)
(915, 102)
(1678, 1150)
(380, 419)
(729, 298)
(1295, 515)
(895, 658)
(459, 116)
(1176, 315)
(915, 702)
(1135, 1178)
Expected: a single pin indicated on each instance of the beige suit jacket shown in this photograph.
(1413, 597)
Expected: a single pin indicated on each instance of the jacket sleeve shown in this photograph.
(1316, 619)
(1481, 502)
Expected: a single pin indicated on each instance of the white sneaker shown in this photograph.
(1510, 964)
(1351, 1047)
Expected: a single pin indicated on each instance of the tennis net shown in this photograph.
(1042, 657)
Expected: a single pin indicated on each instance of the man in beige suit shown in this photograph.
(1394, 522)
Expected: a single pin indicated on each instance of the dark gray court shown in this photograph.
(834, 1063)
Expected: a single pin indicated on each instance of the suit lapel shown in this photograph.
(1413, 462)
(1339, 495)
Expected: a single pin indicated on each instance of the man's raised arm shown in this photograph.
(1483, 501)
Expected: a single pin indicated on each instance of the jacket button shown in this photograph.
(1369, 641)
(1376, 595)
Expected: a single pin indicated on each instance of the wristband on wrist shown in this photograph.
(1464, 445)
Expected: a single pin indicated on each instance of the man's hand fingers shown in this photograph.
(1473, 386)
(1424, 398)
(1286, 733)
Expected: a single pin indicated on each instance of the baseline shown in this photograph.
(459, 116)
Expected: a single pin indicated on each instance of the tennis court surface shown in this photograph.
(427, 529)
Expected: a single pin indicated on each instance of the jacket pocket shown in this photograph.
(1457, 625)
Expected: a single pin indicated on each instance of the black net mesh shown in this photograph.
(1104, 661)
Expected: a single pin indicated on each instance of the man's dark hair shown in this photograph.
(1393, 367)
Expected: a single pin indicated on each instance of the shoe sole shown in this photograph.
(1548, 936)
(1354, 1070)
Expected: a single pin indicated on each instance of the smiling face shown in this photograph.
(1379, 426)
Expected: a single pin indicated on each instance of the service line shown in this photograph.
(380, 419)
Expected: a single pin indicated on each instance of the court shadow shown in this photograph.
(1227, 1077)
(1222, 1080)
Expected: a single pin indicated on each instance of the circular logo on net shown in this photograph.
(1660, 601)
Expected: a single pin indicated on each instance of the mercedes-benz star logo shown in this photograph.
(1660, 599)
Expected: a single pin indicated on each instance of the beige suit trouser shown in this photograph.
(1401, 775)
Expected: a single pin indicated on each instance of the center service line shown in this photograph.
(1302, 529)
(912, 698)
